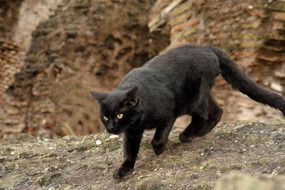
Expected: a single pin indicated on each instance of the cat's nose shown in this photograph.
(111, 129)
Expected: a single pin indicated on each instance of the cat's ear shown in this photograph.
(132, 98)
(99, 96)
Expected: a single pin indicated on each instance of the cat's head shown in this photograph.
(118, 109)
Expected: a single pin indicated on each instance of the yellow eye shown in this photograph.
(105, 118)
(120, 116)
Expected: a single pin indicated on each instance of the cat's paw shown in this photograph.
(185, 137)
(158, 148)
(121, 172)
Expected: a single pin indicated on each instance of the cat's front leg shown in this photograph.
(132, 140)
(161, 137)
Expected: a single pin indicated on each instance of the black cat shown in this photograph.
(175, 83)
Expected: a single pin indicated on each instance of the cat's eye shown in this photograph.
(120, 116)
(105, 118)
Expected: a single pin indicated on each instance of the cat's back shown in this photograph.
(145, 77)
(174, 71)
(188, 56)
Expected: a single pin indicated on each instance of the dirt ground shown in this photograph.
(88, 162)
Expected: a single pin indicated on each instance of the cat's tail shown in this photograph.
(240, 81)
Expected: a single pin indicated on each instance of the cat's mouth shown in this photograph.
(116, 131)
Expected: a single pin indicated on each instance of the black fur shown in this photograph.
(175, 83)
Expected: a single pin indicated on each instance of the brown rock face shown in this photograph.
(251, 31)
(11, 60)
(84, 45)
(92, 43)
(9, 11)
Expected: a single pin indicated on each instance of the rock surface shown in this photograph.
(88, 162)
(238, 181)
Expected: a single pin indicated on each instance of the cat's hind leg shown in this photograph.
(215, 115)
(201, 126)
(160, 137)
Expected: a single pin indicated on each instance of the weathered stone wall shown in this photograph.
(93, 43)
(30, 14)
(272, 50)
(9, 12)
(84, 45)
(17, 21)
(11, 60)
(236, 26)
(251, 31)
(270, 54)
